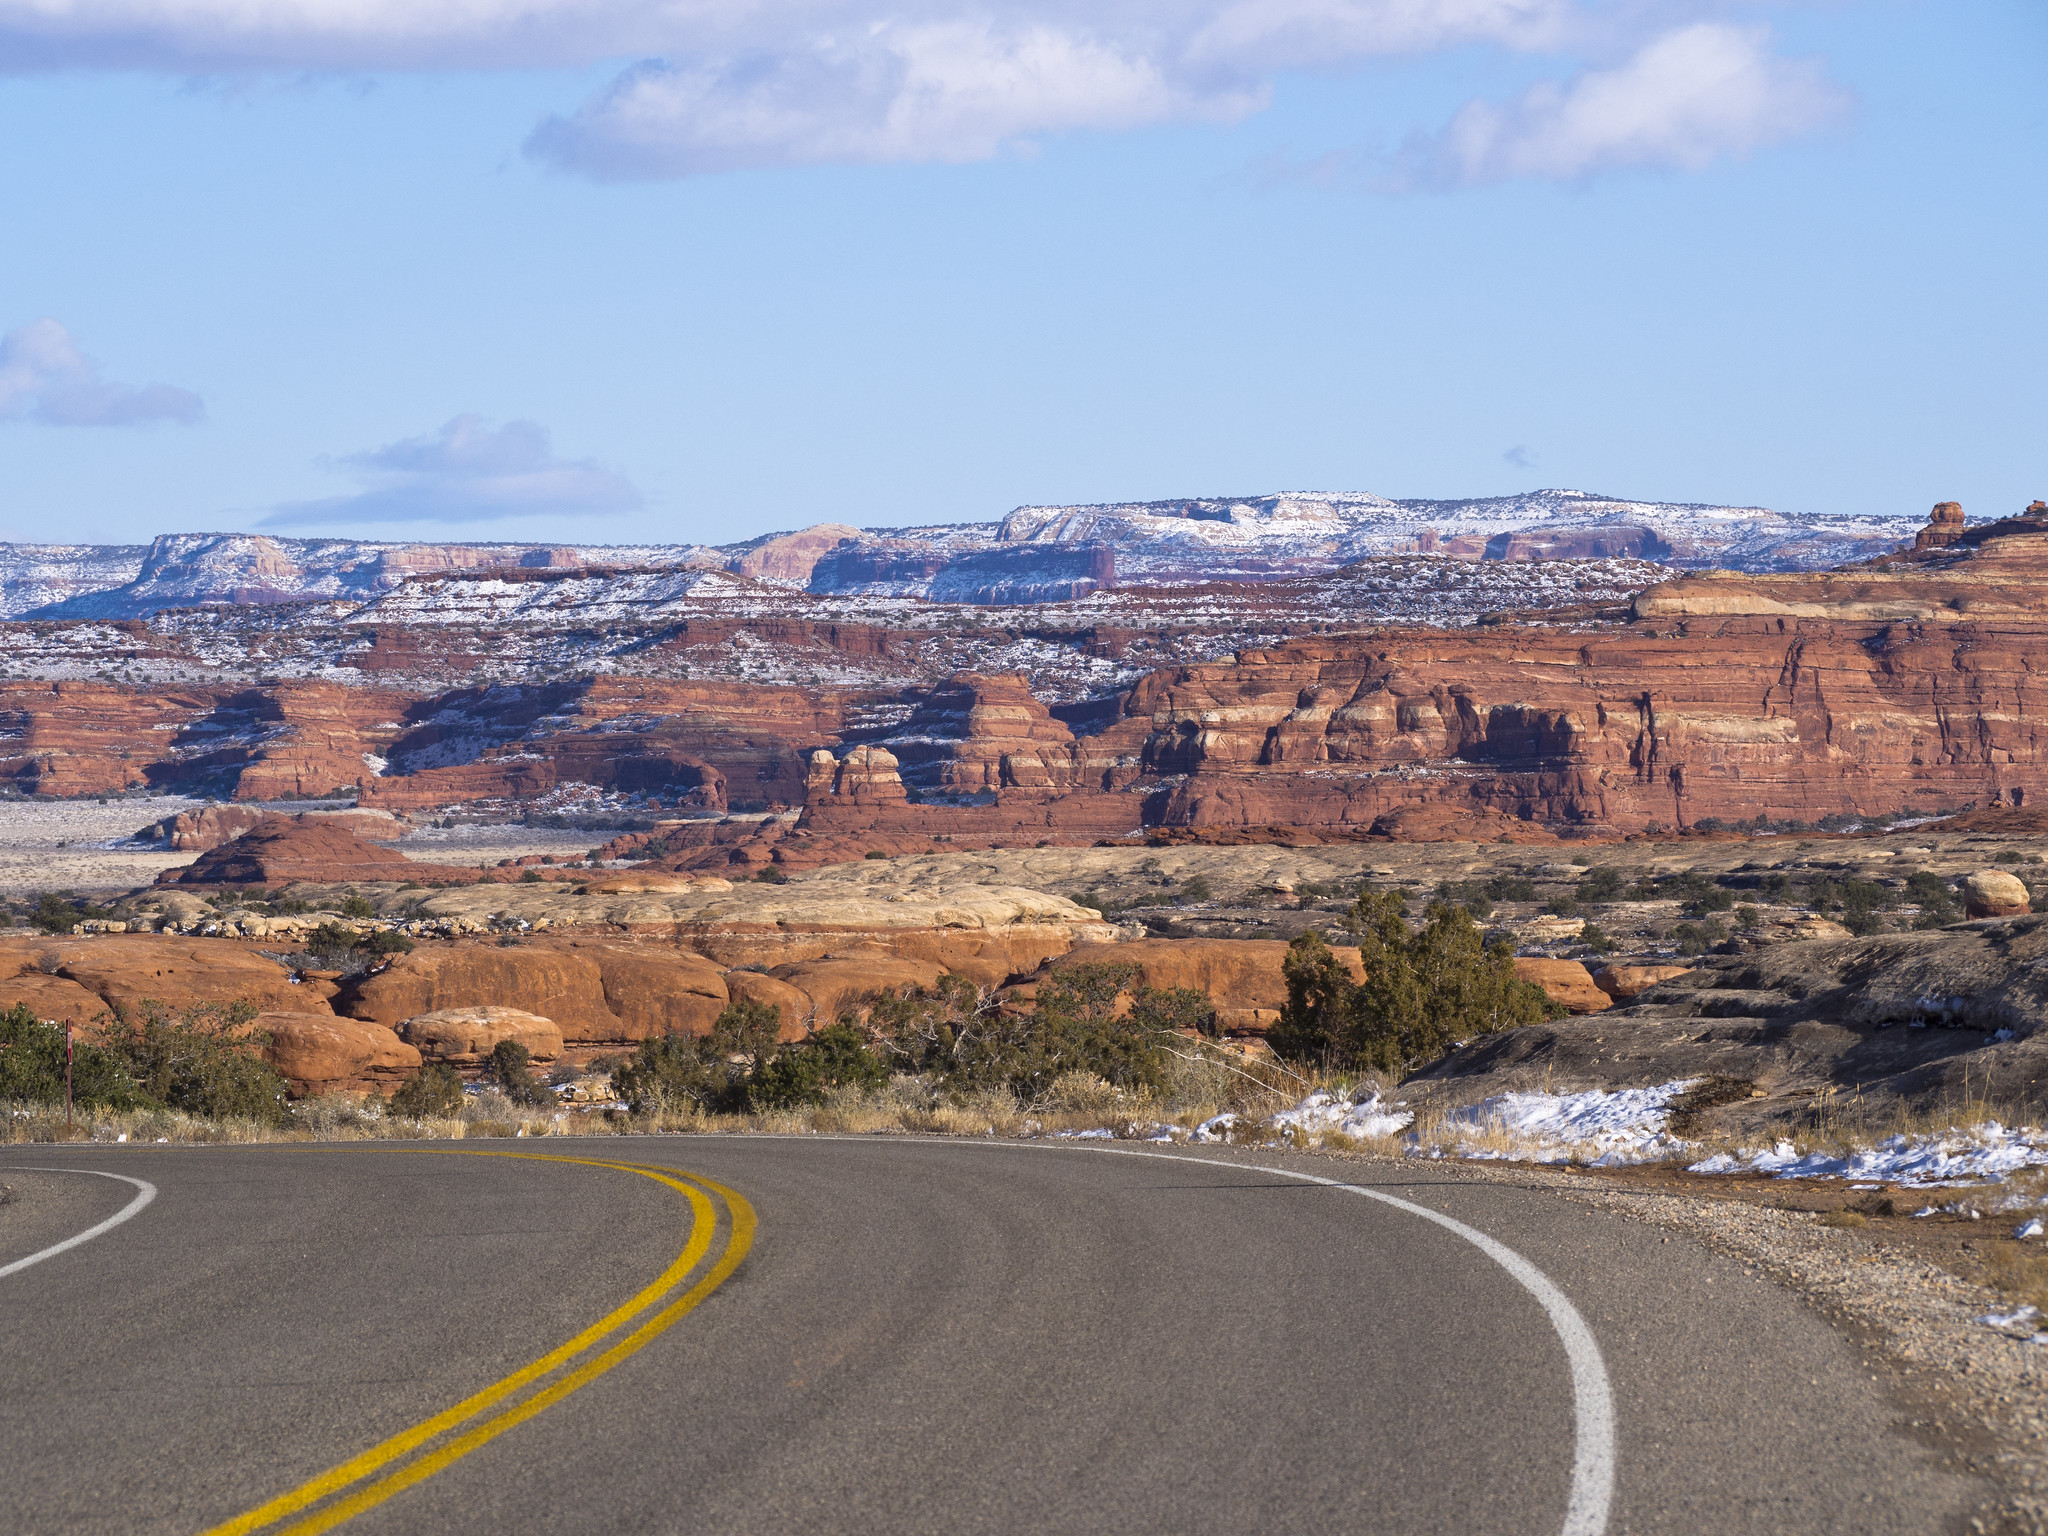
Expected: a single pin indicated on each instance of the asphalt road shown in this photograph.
(918, 1336)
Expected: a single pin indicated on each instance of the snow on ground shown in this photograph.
(1328, 1112)
(1963, 1155)
(1605, 1129)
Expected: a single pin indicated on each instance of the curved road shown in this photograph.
(753, 1335)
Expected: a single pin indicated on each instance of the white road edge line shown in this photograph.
(148, 1193)
(1592, 1486)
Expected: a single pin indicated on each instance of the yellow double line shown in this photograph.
(501, 1405)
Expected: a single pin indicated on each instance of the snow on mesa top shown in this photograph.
(1221, 539)
(1153, 543)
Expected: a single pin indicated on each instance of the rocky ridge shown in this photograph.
(1034, 554)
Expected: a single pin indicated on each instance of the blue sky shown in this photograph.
(389, 272)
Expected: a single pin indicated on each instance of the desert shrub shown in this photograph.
(509, 1069)
(837, 1056)
(57, 911)
(1600, 885)
(874, 853)
(1595, 938)
(432, 1093)
(1469, 894)
(1698, 938)
(963, 1043)
(1511, 888)
(772, 875)
(1858, 901)
(673, 1069)
(1562, 906)
(32, 1066)
(1715, 900)
(386, 942)
(357, 906)
(1172, 1009)
(332, 942)
(1195, 891)
(1424, 990)
(1748, 918)
(1931, 894)
(202, 1062)
(1581, 860)
(529, 877)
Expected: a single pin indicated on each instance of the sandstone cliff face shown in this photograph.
(1729, 718)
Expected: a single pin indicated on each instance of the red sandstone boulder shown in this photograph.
(55, 999)
(1237, 975)
(758, 987)
(330, 1055)
(596, 993)
(1624, 983)
(123, 970)
(1565, 982)
(465, 1037)
(1994, 893)
(837, 982)
(282, 849)
(207, 828)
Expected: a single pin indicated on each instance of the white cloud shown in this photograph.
(467, 472)
(730, 83)
(44, 377)
(950, 91)
(1689, 98)
(723, 84)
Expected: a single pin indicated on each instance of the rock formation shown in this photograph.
(281, 849)
(466, 1037)
(1995, 893)
(207, 828)
(1944, 526)
(330, 1055)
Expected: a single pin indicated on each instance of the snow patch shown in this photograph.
(1965, 1155)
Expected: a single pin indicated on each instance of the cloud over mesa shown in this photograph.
(1687, 99)
(468, 472)
(44, 377)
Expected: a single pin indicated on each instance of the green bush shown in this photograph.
(332, 942)
(1468, 894)
(1511, 888)
(837, 1056)
(385, 942)
(1424, 989)
(772, 875)
(960, 1041)
(1698, 938)
(56, 912)
(1562, 906)
(1601, 885)
(509, 1068)
(432, 1093)
(201, 1062)
(1196, 891)
(1931, 894)
(357, 906)
(32, 1066)
(1172, 1009)
(1595, 938)
(673, 1069)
